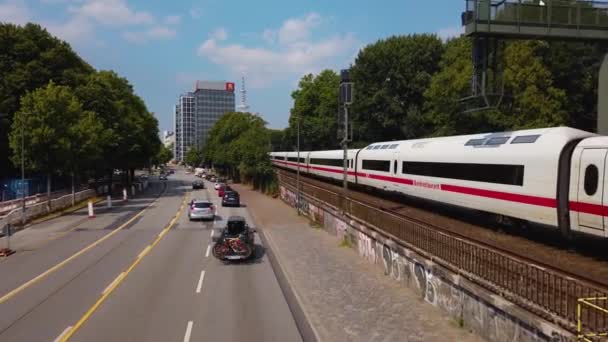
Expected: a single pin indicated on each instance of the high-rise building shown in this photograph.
(196, 112)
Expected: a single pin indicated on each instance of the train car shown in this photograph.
(278, 159)
(588, 186)
(552, 176)
(514, 174)
(330, 164)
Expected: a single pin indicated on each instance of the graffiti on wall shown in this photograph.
(366, 247)
(341, 228)
(316, 213)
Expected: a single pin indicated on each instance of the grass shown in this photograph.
(315, 225)
(345, 243)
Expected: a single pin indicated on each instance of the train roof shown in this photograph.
(557, 135)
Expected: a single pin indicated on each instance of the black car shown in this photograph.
(198, 184)
(231, 198)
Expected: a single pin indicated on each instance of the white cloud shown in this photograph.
(14, 11)
(77, 29)
(450, 32)
(269, 36)
(172, 19)
(152, 33)
(219, 34)
(114, 13)
(295, 54)
(297, 29)
(195, 13)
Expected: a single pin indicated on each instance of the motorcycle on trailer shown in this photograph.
(236, 241)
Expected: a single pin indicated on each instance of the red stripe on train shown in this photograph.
(587, 208)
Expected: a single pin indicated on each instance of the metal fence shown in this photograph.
(547, 292)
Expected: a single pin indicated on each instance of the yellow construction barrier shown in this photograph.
(598, 304)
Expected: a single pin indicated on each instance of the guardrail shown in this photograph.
(38, 209)
(547, 292)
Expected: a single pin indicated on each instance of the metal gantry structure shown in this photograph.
(490, 23)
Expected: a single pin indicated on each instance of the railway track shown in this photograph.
(528, 273)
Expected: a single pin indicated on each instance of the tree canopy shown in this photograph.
(238, 145)
(76, 120)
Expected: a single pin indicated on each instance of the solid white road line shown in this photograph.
(208, 250)
(113, 282)
(63, 334)
(200, 282)
(188, 331)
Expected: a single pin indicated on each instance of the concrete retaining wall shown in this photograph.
(472, 307)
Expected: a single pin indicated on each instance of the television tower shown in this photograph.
(243, 106)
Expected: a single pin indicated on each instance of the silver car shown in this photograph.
(201, 210)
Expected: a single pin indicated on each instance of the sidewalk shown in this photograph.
(344, 297)
(55, 225)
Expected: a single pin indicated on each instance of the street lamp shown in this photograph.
(298, 172)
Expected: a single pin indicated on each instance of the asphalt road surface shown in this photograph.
(142, 272)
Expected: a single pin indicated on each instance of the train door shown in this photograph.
(395, 166)
(591, 198)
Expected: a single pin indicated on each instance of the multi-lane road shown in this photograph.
(139, 272)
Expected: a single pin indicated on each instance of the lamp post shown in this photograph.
(298, 171)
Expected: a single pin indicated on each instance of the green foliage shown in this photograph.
(80, 119)
(59, 134)
(390, 78)
(194, 156)
(238, 145)
(29, 58)
(316, 108)
(164, 155)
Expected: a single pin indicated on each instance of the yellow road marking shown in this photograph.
(113, 286)
(74, 256)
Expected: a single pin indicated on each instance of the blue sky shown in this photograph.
(162, 47)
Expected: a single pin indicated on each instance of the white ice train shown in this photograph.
(552, 176)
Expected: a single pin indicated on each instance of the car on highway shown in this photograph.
(201, 210)
(222, 190)
(231, 199)
(162, 177)
(198, 184)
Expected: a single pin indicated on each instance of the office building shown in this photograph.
(196, 112)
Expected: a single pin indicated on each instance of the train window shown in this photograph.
(591, 180)
(377, 165)
(497, 141)
(279, 158)
(488, 173)
(475, 142)
(394, 146)
(377, 147)
(384, 147)
(371, 147)
(525, 139)
(295, 159)
(329, 162)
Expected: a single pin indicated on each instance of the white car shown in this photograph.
(217, 185)
(201, 209)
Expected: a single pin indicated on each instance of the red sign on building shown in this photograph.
(229, 86)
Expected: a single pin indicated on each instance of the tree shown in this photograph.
(238, 145)
(130, 133)
(194, 156)
(316, 107)
(163, 156)
(59, 136)
(390, 79)
(29, 58)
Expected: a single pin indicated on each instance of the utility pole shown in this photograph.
(346, 99)
(298, 172)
